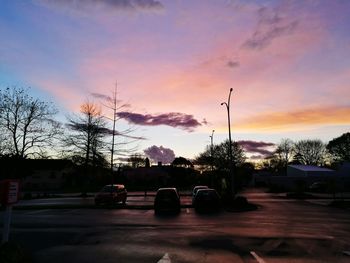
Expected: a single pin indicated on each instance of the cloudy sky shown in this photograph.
(288, 63)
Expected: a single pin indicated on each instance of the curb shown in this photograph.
(131, 207)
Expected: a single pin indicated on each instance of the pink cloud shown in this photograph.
(274, 121)
(264, 81)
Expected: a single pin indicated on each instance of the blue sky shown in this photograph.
(287, 61)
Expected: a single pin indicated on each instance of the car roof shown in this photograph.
(206, 190)
(167, 189)
(200, 186)
(115, 185)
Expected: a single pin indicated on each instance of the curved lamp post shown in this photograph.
(227, 104)
(211, 149)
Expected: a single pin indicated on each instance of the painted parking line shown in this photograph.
(165, 259)
(257, 258)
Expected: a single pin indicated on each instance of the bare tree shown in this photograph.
(136, 160)
(3, 147)
(122, 140)
(340, 148)
(27, 123)
(284, 151)
(310, 152)
(85, 140)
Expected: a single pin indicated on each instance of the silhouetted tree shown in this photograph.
(220, 158)
(278, 161)
(284, 151)
(339, 147)
(147, 163)
(181, 161)
(272, 164)
(310, 152)
(26, 123)
(136, 160)
(3, 146)
(85, 140)
(122, 140)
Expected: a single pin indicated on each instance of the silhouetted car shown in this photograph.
(111, 194)
(207, 200)
(196, 188)
(319, 187)
(167, 200)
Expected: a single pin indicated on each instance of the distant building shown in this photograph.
(344, 169)
(297, 170)
(46, 174)
(298, 175)
(147, 175)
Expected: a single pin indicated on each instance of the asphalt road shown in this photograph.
(279, 231)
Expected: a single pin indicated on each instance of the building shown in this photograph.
(45, 174)
(344, 170)
(298, 170)
(299, 177)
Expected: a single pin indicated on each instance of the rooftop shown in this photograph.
(309, 168)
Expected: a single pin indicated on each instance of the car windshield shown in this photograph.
(108, 189)
(206, 193)
(167, 194)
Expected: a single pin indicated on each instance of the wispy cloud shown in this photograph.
(122, 134)
(232, 64)
(160, 154)
(173, 119)
(257, 148)
(336, 115)
(101, 96)
(109, 100)
(270, 25)
(107, 5)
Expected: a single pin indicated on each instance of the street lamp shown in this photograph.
(211, 149)
(227, 104)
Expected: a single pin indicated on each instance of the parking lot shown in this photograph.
(279, 231)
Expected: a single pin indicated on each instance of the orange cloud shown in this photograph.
(289, 120)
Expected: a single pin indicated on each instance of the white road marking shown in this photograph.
(165, 259)
(187, 210)
(38, 212)
(257, 258)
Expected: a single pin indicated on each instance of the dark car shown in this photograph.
(319, 187)
(195, 190)
(111, 194)
(167, 200)
(207, 200)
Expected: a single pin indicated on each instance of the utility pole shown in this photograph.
(114, 108)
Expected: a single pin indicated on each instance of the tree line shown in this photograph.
(309, 152)
(28, 129)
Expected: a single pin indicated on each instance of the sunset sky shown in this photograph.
(288, 63)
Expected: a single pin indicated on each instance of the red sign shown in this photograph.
(9, 191)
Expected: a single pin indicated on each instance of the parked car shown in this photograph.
(319, 187)
(167, 200)
(111, 194)
(196, 188)
(207, 200)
